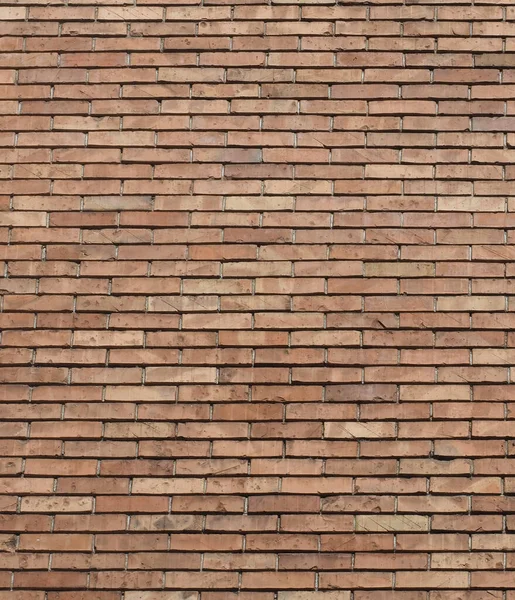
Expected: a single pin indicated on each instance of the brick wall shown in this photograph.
(257, 316)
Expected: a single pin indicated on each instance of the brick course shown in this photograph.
(257, 312)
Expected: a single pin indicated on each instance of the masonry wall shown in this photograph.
(258, 314)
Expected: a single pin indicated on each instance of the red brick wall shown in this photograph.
(257, 309)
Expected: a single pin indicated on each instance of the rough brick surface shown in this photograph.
(257, 309)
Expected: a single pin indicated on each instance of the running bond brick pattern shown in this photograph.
(258, 318)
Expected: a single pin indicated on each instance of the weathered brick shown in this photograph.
(268, 250)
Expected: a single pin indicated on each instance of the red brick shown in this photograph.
(273, 296)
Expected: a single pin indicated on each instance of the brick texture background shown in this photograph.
(257, 312)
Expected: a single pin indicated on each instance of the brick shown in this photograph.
(352, 580)
(56, 580)
(56, 542)
(55, 504)
(449, 579)
(257, 296)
